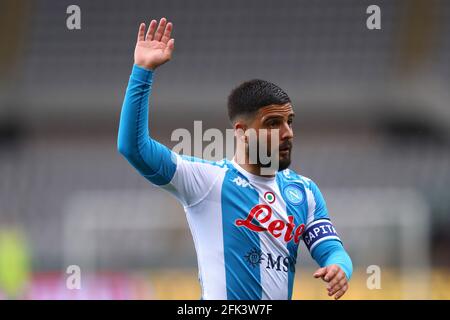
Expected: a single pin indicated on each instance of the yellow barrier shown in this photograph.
(183, 284)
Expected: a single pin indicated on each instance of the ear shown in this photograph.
(239, 130)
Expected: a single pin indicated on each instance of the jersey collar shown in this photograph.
(251, 176)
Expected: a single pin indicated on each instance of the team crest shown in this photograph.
(294, 194)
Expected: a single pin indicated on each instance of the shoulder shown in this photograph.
(287, 176)
(289, 180)
(317, 208)
(199, 167)
(201, 162)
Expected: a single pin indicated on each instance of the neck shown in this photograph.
(243, 161)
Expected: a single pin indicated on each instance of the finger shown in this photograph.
(151, 30)
(166, 36)
(337, 287)
(141, 32)
(331, 272)
(341, 292)
(320, 272)
(159, 32)
(339, 284)
(169, 48)
(336, 279)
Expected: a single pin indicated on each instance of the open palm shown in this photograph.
(154, 48)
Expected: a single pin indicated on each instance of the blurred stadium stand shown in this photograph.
(372, 114)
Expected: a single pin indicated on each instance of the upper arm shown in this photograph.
(319, 227)
(188, 179)
(317, 207)
(193, 179)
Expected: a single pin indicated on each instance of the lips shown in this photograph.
(287, 146)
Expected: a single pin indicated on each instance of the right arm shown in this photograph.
(152, 159)
(188, 180)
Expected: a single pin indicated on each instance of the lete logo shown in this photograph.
(262, 214)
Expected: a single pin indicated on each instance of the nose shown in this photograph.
(286, 132)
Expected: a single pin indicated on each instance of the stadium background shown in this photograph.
(372, 129)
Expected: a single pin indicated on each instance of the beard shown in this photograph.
(284, 161)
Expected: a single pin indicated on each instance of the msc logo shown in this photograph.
(280, 263)
(255, 258)
(241, 182)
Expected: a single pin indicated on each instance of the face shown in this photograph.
(276, 117)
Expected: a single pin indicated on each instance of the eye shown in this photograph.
(290, 122)
(272, 123)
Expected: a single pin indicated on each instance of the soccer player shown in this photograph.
(246, 225)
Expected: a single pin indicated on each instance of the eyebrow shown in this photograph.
(277, 116)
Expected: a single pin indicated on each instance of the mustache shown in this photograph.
(286, 145)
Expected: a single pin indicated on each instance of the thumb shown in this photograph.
(320, 272)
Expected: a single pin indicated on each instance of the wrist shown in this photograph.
(147, 66)
(144, 66)
(142, 73)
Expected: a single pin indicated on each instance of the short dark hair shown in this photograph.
(252, 95)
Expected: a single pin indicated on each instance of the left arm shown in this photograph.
(325, 246)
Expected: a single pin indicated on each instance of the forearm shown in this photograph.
(332, 252)
(149, 157)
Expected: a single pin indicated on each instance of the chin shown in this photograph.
(284, 163)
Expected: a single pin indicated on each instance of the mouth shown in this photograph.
(285, 148)
(285, 151)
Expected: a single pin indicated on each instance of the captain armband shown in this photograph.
(319, 231)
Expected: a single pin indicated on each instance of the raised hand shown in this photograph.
(156, 47)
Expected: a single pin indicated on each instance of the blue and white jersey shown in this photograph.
(246, 228)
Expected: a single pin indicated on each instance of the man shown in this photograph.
(246, 225)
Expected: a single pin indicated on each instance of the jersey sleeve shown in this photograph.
(320, 236)
(333, 252)
(187, 179)
(317, 208)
